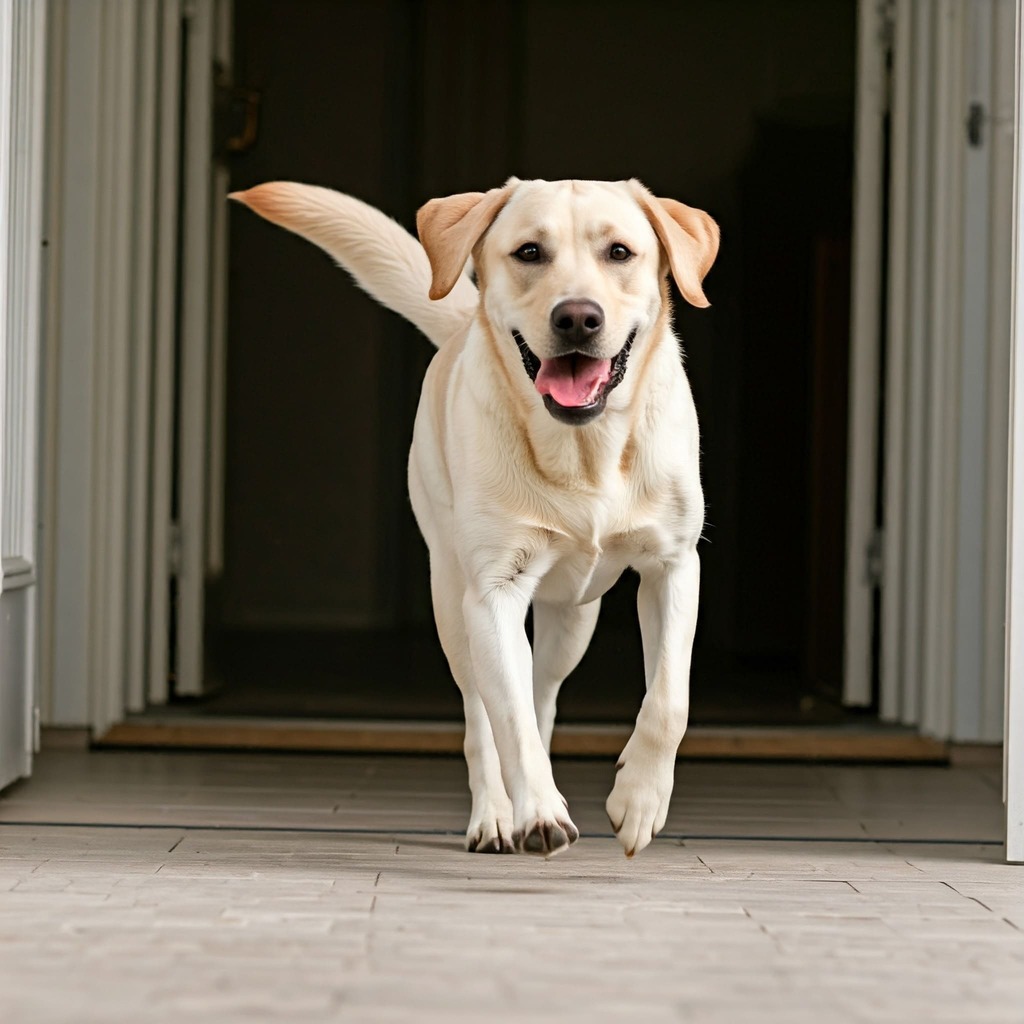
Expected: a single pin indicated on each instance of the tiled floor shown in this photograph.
(220, 888)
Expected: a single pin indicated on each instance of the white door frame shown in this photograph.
(203, 341)
(22, 84)
(120, 186)
(865, 344)
(100, 213)
(115, 673)
(1013, 756)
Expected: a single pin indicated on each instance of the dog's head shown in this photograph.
(571, 274)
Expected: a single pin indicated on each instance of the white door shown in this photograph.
(191, 529)
(131, 190)
(1013, 749)
(21, 125)
(873, 40)
(926, 539)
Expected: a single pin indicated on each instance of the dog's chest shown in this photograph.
(593, 541)
(580, 576)
(583, 571)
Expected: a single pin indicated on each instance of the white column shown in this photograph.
(22, 56)
(1013, 756)
(868, 196)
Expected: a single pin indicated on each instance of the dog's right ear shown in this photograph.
(449, 228)
(689, 238)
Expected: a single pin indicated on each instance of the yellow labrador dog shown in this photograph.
(555, 445)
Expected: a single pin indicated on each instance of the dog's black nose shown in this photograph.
(577, 320)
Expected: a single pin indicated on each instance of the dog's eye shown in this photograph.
(528, 252)
(619, 252)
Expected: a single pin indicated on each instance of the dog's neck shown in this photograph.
(577, 458)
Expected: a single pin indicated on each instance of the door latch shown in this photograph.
(236, 116)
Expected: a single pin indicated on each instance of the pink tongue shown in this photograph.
(574, 380)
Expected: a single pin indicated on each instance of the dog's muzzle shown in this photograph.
(575, 386)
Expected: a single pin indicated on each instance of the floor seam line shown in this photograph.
(681, 837)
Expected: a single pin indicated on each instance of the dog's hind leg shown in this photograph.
(561, 635)
(490, 820)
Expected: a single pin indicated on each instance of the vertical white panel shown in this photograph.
(942, 397)
(894, 495)
(99, 610)
(20, 192)
(56, 48)
(864, 350)
(1013, 756)
(1000, 133)
(143, 150)
(972, 373)
(8, 87)
(13, 683)
(951, 404)
(164, 326)
(22, 127)
(121, 278)
(218, 320)
(915, 397)
(74, 256)
(111, 381)
(102, 317)
(194, 342)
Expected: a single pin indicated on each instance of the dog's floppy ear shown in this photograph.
(450, 227)
(689, 237)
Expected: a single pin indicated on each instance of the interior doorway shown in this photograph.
(743, 108)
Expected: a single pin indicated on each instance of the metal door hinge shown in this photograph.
(236, 115)
(174, 549)
(873, 558)
(975, 122)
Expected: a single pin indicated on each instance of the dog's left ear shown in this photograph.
(450, 227)
(689, 237)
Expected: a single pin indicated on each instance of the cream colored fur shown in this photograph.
(518, 508)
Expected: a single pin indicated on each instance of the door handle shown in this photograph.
(237, 115)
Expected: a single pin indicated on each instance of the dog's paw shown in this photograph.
(490, 832)
(638, 803)
(545, 827)
(546, 836)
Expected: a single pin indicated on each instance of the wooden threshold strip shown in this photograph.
(795, 743)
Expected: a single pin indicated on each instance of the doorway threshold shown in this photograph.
(874, 742)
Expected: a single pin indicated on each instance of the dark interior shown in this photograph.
(741, 107)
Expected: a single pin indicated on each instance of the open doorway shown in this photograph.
(742, 108)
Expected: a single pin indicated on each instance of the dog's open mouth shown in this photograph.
(575, 386)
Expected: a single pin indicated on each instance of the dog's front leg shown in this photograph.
(667, 605)
(502, 664)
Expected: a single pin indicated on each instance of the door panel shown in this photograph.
(16, 679)
(22, 50)
(1013, 735)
